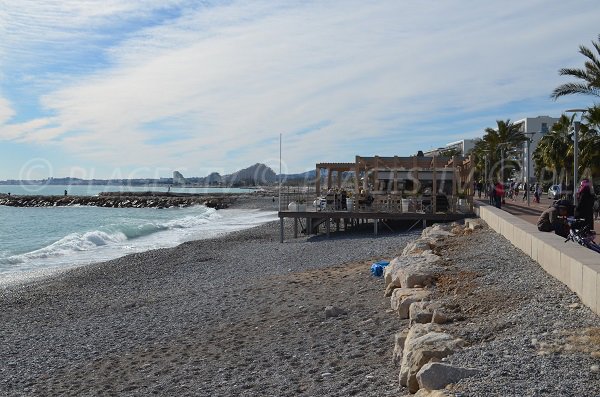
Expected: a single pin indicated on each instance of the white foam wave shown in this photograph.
(112, 241)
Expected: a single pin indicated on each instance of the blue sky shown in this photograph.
(117, 89)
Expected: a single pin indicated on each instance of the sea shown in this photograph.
(36, 242)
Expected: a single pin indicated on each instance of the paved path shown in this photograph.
(519, 208)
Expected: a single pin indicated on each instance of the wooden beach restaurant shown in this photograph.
(381, 189)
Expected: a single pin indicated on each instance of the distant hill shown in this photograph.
(257, 174)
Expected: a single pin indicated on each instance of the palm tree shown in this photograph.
(590, 143)
(590, 76)
(555, 150)
(505, 138)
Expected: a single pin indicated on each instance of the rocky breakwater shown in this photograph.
(137, 200)
(410, 281)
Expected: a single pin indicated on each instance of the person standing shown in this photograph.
(585, 203)
(498, 194)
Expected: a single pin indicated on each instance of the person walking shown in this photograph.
(585, 203)
(498, 194)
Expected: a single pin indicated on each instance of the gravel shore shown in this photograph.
(237, 315)
(243, 315)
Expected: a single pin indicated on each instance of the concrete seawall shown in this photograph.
(575, 266)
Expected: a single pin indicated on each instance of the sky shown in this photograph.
(138, 89)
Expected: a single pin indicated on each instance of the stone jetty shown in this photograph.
(121, 200)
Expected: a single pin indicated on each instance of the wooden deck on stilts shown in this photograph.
(348, 218)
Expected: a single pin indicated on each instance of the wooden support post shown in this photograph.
(281, 230)
(424, 223)
(295, 227)
(375, 224)
(318, 181)
(453, 184)
(356, 181)
(328, 226)
(337, 225)
(434, 188)
(329, 178)
(308, 226)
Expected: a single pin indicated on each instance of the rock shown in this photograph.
(419, 312)
(389, 290)
(333, 311)
(435, 376)
(424, 343)
(399, 339)
(595, 369)
(408, 271)
(433, 393)
(474, 223)
(402, 298)
(439, 317)
(418, 246)
(439, 231)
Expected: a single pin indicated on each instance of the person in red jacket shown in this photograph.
(498, 194)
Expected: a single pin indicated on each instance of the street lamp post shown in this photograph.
(528, 176)
(575, 148)
(485, 175)
(502, 147)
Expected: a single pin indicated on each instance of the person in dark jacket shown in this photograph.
(585, 203)
(552, 219)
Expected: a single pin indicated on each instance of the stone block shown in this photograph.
(521, 237)
(507, 229)
(589, 285)
(597, 310)
(567, 254)
(576, 276)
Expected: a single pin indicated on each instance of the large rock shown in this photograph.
(402, 298)
(412, 270)
(419, 246)
(474, 223)
(424, 343)
(427, 312)
(399, 338)
(420, 312)
(439, 231)
(433, 376)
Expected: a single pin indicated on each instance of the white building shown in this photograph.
(463, 147)
(535, 128)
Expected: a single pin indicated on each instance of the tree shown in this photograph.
(589, 143)
(555, 151)
(504, 140)
(590, 76)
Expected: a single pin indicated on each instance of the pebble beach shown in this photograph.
(244, 315)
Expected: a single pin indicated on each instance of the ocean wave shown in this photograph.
(113, 234)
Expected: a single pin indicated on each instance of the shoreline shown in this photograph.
(17, 279)
(152, 321)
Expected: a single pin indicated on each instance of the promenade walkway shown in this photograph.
(519, 208)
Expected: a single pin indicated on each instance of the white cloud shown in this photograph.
(6, 110)
(232, 76)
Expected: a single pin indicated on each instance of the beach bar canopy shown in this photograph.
(449, 175)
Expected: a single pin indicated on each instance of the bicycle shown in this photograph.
(580, 233)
